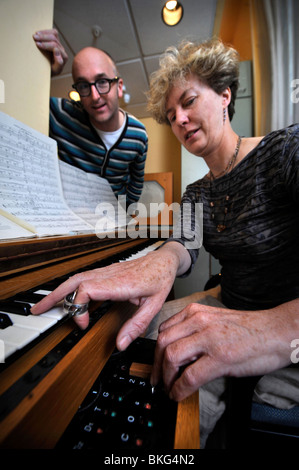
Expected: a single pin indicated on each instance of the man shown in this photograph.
(95, 134)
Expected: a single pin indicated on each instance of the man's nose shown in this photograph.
(95, 94)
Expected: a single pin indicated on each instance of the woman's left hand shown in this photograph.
(201, 343)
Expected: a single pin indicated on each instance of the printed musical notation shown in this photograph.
(88, 195)
(9, 229)
(39, 193)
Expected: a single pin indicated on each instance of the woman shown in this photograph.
(250, 222)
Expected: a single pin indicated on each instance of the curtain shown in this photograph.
(275, 41)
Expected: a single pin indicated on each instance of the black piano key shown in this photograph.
(5, 321)
(51, 285)
(21, 308)
(30, 297)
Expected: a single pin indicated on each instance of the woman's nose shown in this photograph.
(181, 117)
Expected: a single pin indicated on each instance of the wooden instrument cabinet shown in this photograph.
(39, 418)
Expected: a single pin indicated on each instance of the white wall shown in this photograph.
(24, 71)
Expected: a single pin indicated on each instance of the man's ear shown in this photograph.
(120, 85)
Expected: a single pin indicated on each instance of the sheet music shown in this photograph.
(9, 229)
(89, 196)
(30, 182)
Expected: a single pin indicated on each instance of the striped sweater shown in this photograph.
(80, 145)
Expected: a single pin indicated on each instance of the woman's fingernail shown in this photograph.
(123, 343)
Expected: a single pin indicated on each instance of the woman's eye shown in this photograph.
(190, 101)
(171, 118)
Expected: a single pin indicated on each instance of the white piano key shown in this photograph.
(55, 312)
(17, 336)
(33, 322)
(9, 349)
(144, 251)
(42, 292)
(26, 329)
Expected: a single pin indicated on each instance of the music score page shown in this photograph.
(31, 192)
(89, 196)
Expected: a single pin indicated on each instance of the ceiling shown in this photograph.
(134, 34)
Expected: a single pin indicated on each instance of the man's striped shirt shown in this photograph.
(80, 145)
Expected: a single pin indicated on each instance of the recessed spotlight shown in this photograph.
(172, 13)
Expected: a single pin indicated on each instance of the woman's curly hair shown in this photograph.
(214, 63)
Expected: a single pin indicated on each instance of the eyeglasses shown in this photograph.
(103, 86)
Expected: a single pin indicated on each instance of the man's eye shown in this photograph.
(102, 82)
(83, 86)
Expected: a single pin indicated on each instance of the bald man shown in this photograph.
(95, 134)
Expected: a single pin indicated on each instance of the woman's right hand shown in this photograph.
(145, 282)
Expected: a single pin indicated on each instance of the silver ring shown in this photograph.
(72, 309)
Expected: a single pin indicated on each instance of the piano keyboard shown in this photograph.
(19, 328)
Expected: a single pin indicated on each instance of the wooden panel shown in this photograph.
(12, 284)
(19, 255)
(18, 368)
(165, 180)
(187, 424)
(40, 419)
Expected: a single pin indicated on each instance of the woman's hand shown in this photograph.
(145, 282)
(48, 40)
(201, 343)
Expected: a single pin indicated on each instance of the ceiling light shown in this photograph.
(172, 13)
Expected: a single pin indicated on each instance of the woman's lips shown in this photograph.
(190, 134)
